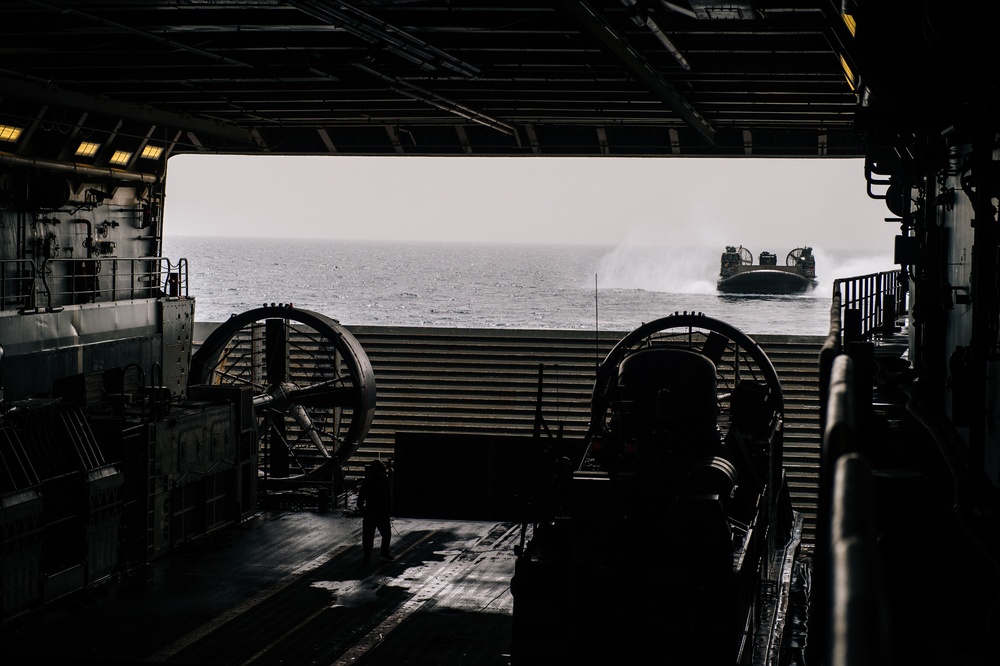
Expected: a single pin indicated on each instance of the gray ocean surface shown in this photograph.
(468, 285)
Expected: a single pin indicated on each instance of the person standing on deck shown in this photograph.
(373, 503)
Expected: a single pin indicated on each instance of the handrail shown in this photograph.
(870, 304)
(850, 605)
(17, 284)
(65, 281)
(840, 432)
(74, 281)
(859, 631)
(832, 346)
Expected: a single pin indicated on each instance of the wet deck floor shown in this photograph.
(291, 588)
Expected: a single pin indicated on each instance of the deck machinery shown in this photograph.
(117, 443)
(671, 523)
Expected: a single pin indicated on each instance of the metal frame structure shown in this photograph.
(577, 77)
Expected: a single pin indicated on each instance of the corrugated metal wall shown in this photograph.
(487, 381)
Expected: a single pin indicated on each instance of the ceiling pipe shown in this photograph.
(674, 51)
(639, 65)
(437, 101)
(377, 32)
(669, 6)
(79, 169)
(642, 18)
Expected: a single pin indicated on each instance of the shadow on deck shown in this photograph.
(290, 587)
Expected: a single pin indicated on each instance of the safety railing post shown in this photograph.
(870, 304)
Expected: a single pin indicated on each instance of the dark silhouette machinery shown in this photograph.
(112, 470)
(312, 387)
(662, 528)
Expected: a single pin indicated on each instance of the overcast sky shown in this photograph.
(760, 203)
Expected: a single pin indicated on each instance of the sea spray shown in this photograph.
(695, 270)
(833, 265)
(653, 267)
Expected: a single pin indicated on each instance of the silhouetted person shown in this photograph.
(373, 502)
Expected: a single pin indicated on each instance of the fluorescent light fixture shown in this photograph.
(151, 153)
(87, 149)
(851, 24)
(848, 73)
(10, 133)
(120, 158)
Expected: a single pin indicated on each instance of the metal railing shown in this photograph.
(17, 284)
(850, 607)
(60, 282)
(870, 304)
(849, 604)
(108, 279)
(832, 347)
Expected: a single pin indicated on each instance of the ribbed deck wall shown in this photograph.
(487, 381)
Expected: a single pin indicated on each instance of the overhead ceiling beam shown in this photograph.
(394, 139)
(30, 129)
(137, 153)
(104, 153)
(171, 145)
(420, 94)
(327, 141)
(602, 141)
(463, 139)
(55, 96)
(174, 44)
(675, 143)
(377, 32)
(597, 25)
(529, 129)
(69, 146)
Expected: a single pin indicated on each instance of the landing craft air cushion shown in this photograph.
(739, 275)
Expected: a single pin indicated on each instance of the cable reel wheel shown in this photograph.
(313, 386)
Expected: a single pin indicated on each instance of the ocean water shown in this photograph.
(576, 287)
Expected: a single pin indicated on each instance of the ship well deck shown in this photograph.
(290, 586)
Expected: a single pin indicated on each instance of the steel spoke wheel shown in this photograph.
(313, 386)
(738, 361)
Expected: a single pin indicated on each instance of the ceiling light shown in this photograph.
(848, 73)
(851, 24)
(120, 158)
(9, 133)
(87, 149)
(151, 152)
